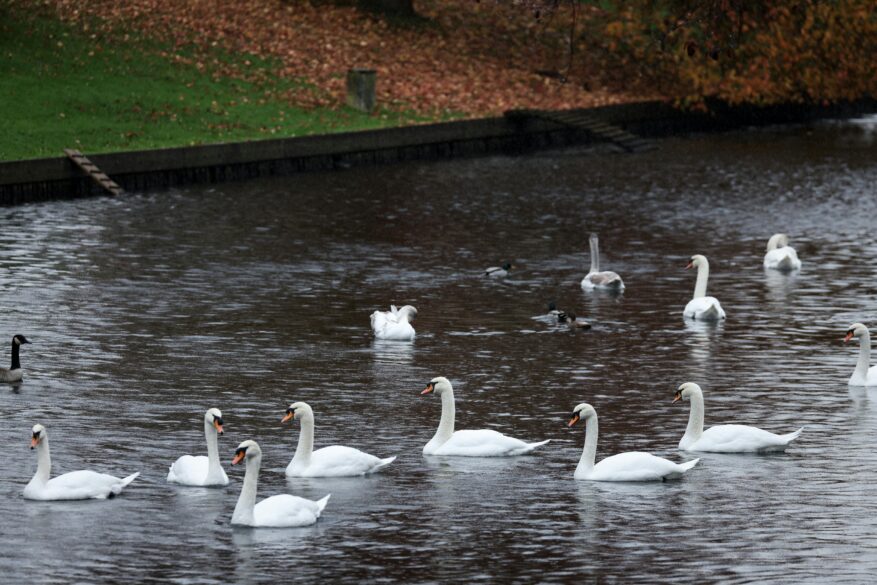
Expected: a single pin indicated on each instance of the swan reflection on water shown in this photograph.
(289, 539)
(699, 337)
(392, 353)
(779, 284)
(477, 465)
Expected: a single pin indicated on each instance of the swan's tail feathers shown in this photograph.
(117, 488)
(688, 464)
(787, 263)
(615, 283)
(788, 438)
(129, 479)
(531, 446)
(710, 314)
(321, 504)
(382, 464)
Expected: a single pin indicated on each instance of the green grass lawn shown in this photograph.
(60, 88)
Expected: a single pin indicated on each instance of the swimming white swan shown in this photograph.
(702, 307)
(394, 324)
(725, 438)
(14, 373)
(862, 375)
(76, 485)
(595, 279)
(780, 255)
(280, 511)
(200, 470)
(480, 443)
(499, 271)
(630, 466)
(332, 461)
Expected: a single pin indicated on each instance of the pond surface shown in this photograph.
(146, 310)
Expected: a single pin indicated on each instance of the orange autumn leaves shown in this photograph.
(763, 53)
(481, 58)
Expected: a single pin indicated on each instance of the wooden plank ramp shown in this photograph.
(583, 121)
(90, 169)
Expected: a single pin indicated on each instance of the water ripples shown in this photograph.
(146, 310)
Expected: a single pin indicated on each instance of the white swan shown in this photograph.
(702, 307)
(630, 466)
(76, 485)
(595, 279)
(280, 511)
(394, 324)
(780, 255)
(725, 438)
(862, 375)
(499, 271)
(200, 470)
(480, 443)
(14, 373)
(332, 461)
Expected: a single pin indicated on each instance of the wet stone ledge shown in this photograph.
(58, 178)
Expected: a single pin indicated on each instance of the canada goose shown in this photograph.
(14, 373)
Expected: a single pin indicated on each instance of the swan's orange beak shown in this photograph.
(678, 397)
(573, 420)
(429, 388)
(690, 265)
(217, 426)
(849, 336)
(34, 442)
(288, 416)
(238, 457)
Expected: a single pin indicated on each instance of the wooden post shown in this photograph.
(361, 89)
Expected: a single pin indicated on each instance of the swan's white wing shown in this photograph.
(636, 466)
(189, 470)
(741, 439)
(78, 485)
(704, 309)
(785, 258)
(606, 279)
(287, 511)
(483, 443)
(401, 331)
(341, 461)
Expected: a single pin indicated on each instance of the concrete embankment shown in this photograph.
(58, 178)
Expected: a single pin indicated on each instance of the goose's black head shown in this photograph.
(19, 339)
(507, 266)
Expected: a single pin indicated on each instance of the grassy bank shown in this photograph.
(61, 87)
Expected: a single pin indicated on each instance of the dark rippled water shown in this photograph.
(146, 310)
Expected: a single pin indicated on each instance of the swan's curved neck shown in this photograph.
(243, 511)
(595, 255)
(16, 364)
(305, 446)
(214, 467)
(703, 274)
(864, 355)
(44, 461)
(446, 424)
(777, 241)
(589, 453)
(695, 417)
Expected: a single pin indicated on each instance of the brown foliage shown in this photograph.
(459, 56)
